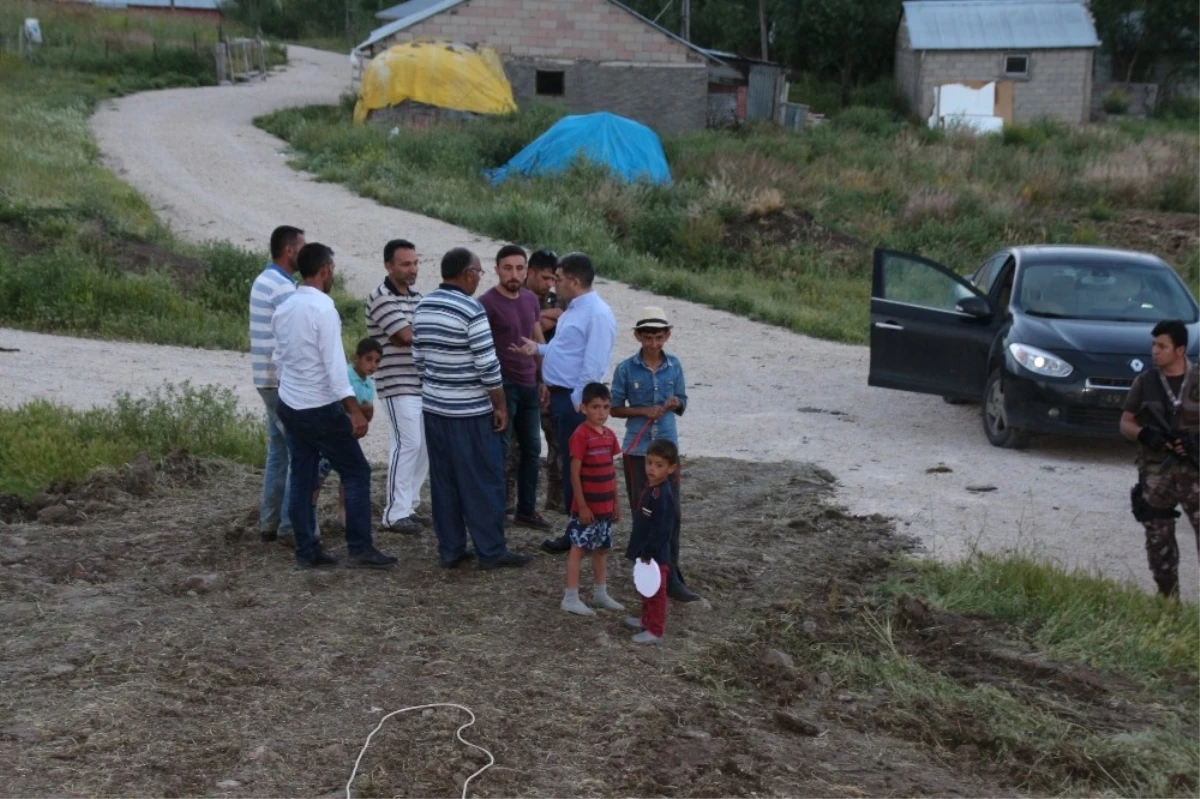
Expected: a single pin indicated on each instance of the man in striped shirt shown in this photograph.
(390, 310)
(465, 412)
(274, 284)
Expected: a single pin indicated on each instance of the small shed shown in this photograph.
(742, 88)
(1038, 53)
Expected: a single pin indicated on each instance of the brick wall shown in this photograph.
(668, 98)
(907, 74)
(1059, 85)
(588, 30)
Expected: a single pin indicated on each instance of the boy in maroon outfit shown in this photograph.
(594, 503)
(653, 528)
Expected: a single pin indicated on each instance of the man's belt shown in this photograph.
(558, 390)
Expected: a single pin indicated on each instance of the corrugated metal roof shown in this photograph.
(999, 24)
(192, 5)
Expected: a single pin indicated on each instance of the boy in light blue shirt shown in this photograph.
(364, 364)
(649, 392)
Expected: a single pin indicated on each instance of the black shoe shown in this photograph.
(406, 526)
(681, 593)
(533, 521)
(461, 559)
(507, 559)
(269, 535)
(321, 560)
(424, 521)
(557, 546)
(370, 558)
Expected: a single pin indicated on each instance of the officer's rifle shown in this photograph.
(1173, 435)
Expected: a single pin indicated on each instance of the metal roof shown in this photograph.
(999, 24)
(191, 5)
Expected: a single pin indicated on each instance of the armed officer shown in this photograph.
(1162, 413)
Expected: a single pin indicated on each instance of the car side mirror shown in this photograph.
(979, 307)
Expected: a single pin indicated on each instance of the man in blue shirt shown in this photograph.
(579, 354)
(649, 392)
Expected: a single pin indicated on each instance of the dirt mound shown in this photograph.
(1170, 236)
(784, 227)
(106, 490)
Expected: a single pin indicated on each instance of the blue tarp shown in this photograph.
(630, 149)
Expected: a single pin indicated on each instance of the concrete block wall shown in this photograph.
(1059, 85)
(592, 30)
(668, 98)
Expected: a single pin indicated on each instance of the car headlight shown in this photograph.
(1040, 362)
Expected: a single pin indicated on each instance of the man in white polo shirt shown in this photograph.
(320, 414)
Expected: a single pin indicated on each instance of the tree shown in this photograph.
(1143, 37)
(851, 41)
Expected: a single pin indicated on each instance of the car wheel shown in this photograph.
(995, 416)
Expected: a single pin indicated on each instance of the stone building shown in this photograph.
(589, 55)
(1039, 54)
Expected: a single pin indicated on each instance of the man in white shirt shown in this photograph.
(321, 416)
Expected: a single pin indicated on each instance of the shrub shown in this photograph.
(41, 442)
(1116, 102)
(874, 121)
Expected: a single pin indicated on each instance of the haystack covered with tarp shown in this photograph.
(628, 149)
(437, 75)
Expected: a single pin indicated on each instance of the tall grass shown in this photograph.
(41, 441)
(82, 253)
(865, 178)
(1074, 616)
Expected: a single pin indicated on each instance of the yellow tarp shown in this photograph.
(441, 74)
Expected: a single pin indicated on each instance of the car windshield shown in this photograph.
(1106, 292)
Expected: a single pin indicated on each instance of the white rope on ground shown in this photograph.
(457, 734)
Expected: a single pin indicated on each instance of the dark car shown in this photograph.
(1048, 338)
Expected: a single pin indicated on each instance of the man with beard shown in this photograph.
(513, 314)
(320, 414)
(390, 310)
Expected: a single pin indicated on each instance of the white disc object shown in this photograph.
(647, 577)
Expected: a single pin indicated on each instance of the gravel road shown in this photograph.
(758, 393)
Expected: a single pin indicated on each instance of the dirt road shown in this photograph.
(756, 393)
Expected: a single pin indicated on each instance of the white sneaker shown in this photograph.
(646, 637)
(607, 602)
(577, 607)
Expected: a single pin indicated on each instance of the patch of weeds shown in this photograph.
(41, 442)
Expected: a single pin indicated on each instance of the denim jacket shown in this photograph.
(636, 386)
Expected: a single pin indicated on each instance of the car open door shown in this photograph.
(931, 330)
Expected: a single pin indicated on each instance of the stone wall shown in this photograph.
(671, 98)
(1059, 84)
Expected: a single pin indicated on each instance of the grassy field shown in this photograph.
(41, 442)
(81, 253)
(777, 226)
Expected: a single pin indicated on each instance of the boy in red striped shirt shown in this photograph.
(594, 505)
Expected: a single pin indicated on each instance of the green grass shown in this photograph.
(41, 442)
(733, 230)
(82, 253)
(1073, 616)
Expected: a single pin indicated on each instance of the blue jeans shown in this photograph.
(566, 420)
(273, 508)
(326, 432)
(466, 485)
(525, 423)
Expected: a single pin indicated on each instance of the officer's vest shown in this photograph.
(1186, 418)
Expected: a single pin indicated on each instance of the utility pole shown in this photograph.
(686, 22)
(762, 28)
